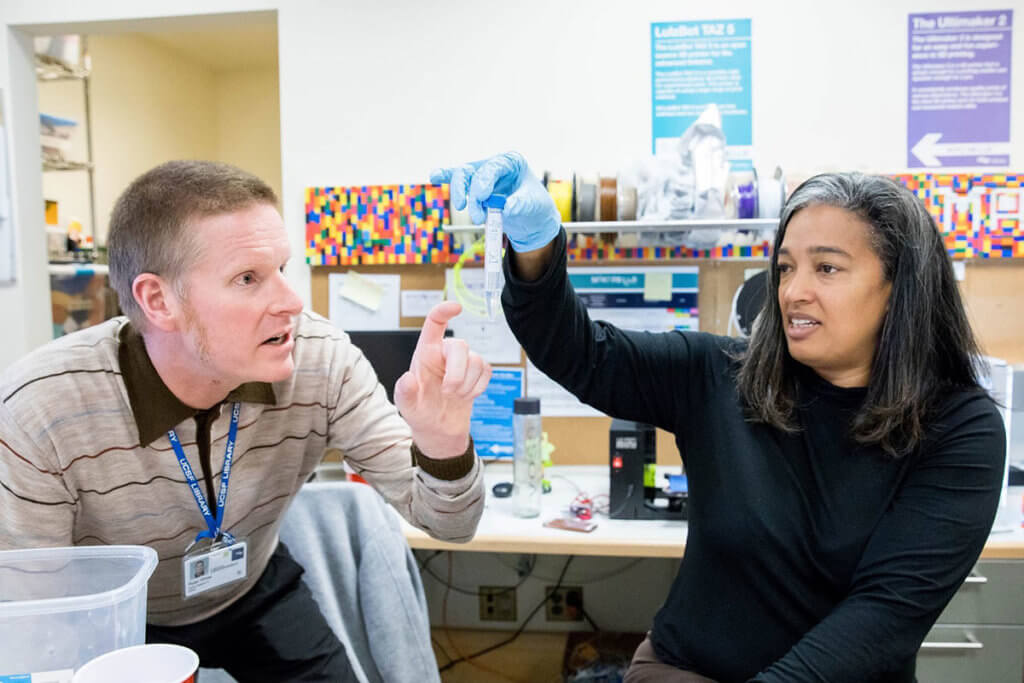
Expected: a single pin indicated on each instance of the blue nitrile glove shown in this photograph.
(530, 217)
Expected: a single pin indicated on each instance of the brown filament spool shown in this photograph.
(608, 200)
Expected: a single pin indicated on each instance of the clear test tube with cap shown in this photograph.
(494, 280)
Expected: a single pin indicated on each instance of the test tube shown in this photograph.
(493, 278)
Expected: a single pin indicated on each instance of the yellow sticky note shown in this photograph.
(657, 286)
(358, 289)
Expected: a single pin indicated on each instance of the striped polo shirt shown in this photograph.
(85, 457)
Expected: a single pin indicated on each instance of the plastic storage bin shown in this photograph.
(61, 607)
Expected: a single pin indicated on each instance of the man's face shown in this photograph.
(238, 311)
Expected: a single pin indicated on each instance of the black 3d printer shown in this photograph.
(633, 491)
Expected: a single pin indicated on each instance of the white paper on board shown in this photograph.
(346, 314)
(492, 339)
(416, 303)
(554, 400)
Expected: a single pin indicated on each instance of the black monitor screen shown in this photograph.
(389, 352)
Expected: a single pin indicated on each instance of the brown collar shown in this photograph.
(155, 408)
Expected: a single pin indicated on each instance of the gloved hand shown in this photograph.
(530, 217)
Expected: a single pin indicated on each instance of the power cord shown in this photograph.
(622, 505)
(437, 644)
(425, 562)
(599, 576)
(523, 576)
(522, 627)
(451, 641)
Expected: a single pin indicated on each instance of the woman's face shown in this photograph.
(833, 294)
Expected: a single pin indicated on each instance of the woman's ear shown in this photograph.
(158, 301)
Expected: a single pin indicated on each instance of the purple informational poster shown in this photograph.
(958, 89)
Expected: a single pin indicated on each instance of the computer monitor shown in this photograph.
(389, 352)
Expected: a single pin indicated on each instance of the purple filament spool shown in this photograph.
(746, 205)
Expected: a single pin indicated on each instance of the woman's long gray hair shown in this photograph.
(926, 347)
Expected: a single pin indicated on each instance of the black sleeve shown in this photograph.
(924, 547)
(639, 376)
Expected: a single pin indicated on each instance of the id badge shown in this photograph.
(216, 566)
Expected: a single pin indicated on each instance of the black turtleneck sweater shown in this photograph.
(808, 557)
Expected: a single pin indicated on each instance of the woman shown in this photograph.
(844, 467)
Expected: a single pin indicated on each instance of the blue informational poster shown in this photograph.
(491, 423)
(695, 63)
(642, 298)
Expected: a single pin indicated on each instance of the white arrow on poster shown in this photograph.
(928, 149)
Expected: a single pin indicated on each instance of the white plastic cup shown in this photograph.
(155, 663)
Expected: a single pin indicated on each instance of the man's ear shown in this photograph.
(158, 301)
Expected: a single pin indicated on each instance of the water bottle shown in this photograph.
(528, 463)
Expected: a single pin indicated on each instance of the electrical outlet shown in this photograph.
(497, 603)
(564, 604)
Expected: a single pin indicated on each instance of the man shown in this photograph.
(132, 430)
(199, 569)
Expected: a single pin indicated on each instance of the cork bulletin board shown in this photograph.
(992, 289)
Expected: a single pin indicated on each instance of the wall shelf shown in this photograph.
(77, 268)
(744, 224)
(50, 69)
(49, 165)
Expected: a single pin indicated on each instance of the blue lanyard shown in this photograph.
(213, 525)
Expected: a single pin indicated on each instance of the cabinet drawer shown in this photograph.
(993, 594)
(972, 654)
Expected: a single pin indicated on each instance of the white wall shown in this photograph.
(416, 85)
(382, 92)
(24, 304)
(568, 83)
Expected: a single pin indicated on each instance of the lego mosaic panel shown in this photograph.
(377, 225)
(980, 216)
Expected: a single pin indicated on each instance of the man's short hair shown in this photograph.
(149, 226)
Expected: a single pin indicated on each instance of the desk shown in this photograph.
(986, 606)
(502, 532)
